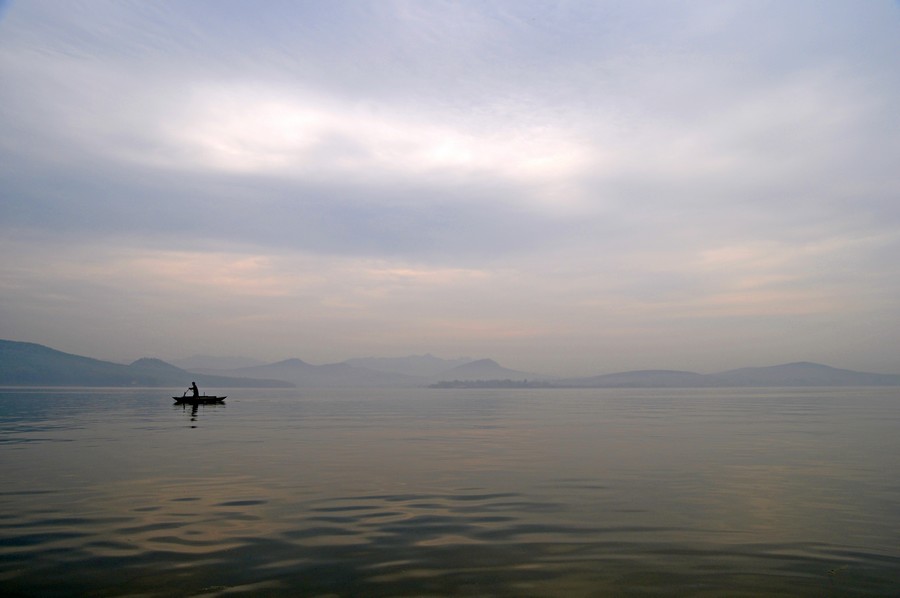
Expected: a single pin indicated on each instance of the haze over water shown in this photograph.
(708, 492)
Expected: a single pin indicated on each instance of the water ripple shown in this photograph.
(540, 502)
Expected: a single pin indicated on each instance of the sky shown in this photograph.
(567, 187)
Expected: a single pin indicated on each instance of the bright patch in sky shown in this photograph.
(272, 133)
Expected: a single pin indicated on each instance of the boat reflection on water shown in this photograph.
(195, 408)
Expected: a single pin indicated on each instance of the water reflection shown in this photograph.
(221, 536)
(195, 408)
(513, 493)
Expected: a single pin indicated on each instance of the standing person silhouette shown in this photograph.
(193, 388)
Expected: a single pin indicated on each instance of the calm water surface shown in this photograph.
(714, 492)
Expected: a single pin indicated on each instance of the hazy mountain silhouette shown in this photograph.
(641, 379)
(789, 374)
(306, 375)
(412, 365)
(30, 364)
(349, 374)
(481, 369)
(216, 362)
(802, 374)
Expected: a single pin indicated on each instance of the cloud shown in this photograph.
(275, 133)
(521, 177)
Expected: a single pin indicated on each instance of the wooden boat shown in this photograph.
(201, 400)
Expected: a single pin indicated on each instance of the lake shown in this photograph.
(425, 492)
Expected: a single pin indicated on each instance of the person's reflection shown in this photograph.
(195, 408)
(195, 411)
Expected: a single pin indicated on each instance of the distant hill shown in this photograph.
(801, 374)
(306, 375)
(641, 379)
(30, 364)
(481, 369)
(790, 374)
(413, 365)
(350, 374)
(199, 362)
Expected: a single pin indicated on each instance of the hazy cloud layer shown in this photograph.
(573, 186)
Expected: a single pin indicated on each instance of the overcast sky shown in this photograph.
(567, 187)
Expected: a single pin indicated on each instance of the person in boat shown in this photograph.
(193, 388)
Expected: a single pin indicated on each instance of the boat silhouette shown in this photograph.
(198, 400)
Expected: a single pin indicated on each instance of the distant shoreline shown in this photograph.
(29, 365)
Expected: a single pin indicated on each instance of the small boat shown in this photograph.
(201, 400)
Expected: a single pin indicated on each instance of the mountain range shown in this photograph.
(399, 372)
(29, 364)
(413, 365)
(790, 374)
